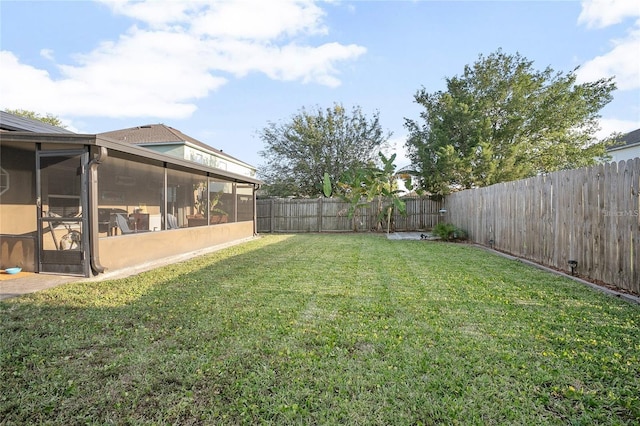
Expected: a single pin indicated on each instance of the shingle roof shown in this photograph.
(158, 134)
(152, 133)
(628, 139)
(16, 123)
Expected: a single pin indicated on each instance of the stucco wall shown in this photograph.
(18, 219)
(135, 249)
(18, 250)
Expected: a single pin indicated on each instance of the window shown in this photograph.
(134, 191)
(188, 202)
(132, 197)
(244, 193)
(4, 181)
(222, 201)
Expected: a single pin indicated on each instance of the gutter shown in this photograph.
(93, 210)
(255, 209)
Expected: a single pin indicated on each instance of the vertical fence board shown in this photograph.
(635, 225)
(624, 223)
(599, 219)
(635, 193)
(588, 184)
(611, 207)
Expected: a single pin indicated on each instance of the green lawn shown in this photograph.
(323, 329)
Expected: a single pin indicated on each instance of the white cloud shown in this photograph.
(47, 54)
(613, 125)
(19, 78)
(308, 64)
(259, 19)
(396, 146)
(156, 14)
(603, 13)
(240, 19)
(177, 53)
(623, 60)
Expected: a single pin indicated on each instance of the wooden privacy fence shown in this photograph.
(590, 215)
(330, 215)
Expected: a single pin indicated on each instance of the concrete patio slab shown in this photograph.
(410, 236)
(29, 282)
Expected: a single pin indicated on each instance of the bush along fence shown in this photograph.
(585, 221)
(331, 215)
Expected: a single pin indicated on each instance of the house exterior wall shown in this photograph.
(18, 250)
(625, 153)
(18, 236)
(17, 218)
(137, 249)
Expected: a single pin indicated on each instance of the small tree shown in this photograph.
(360, 186)
(383, 186)
(352, 188)
(312, 143)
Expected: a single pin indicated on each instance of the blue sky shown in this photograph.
(220, 71)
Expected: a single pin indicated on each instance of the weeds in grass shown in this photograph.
(314, 329)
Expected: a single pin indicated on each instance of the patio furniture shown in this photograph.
(123, 224)
(172, 222)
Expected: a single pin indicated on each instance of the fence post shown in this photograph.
(272, 215)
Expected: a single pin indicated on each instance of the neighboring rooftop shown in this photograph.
(627, 140)
(161, 134)
(153, 133)
(16, 123)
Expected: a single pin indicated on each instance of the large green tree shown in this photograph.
(48, 118)
(314, 142)
(503, 120)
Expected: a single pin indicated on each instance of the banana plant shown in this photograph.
(383, 186)
(352, 189)
(326, 185)
(361, 186)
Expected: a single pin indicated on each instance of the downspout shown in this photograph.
(256, 187)
(93, 210)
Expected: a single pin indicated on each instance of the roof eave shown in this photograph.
(111, 144)
(621, 147)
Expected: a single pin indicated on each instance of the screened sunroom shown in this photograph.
(83, 204)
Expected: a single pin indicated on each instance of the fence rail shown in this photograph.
(589, 215)
(330, 215)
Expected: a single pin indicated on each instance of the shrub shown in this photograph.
(449, 232)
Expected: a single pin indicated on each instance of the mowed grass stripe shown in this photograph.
(323, 329)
